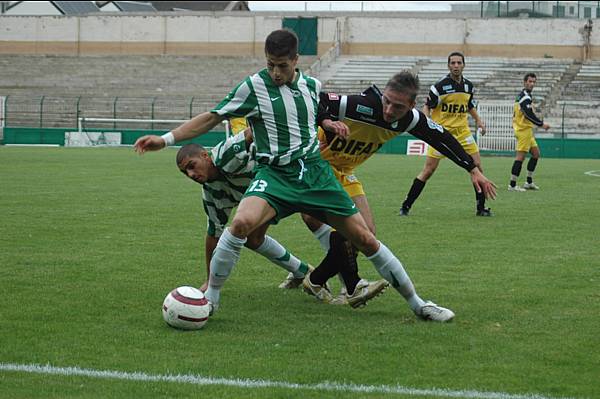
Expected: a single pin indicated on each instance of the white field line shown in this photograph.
(593, 173)
(247, 383)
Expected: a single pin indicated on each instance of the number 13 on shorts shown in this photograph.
(258, 185)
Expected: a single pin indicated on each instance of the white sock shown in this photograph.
(343, 289)
(392, 270)
(276, 253)
(224, 258)
(322, 234)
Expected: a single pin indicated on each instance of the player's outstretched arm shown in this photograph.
(195, 127)
(483, 184)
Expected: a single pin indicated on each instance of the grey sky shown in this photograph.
(351, 5)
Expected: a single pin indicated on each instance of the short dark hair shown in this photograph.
(404, 82)
(529, 75)
(456, 54)
(189, 150)
(282, 42)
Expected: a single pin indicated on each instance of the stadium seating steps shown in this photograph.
(175, 87)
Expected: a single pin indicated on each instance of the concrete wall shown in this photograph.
(514, 37)
(243, 33)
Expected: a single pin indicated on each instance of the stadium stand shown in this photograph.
(178, 87)
(495, 79)
(564, 87)
(149, 87)
(578, 103)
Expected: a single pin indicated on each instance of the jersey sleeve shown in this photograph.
(240, 102)
(526, 107)
(472, 103)
(234, 156)
(433, 98)
(329, 107)
(439, 138)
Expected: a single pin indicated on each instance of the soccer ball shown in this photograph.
(185, 308)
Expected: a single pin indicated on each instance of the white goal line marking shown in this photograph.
(593, 173)
(247, 383)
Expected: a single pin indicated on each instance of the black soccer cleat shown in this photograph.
(403, 211)
(484, 212)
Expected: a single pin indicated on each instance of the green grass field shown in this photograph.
(91, 241)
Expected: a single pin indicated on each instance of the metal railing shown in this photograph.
(568, 119)
(47, 112)
(578, 119)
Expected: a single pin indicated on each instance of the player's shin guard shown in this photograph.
(516, 171)
(224, 258)
(530, 169)
(333, 261)
(390, 268)
(276, 253)
(414, 192)
(349, 266)
(480, 199)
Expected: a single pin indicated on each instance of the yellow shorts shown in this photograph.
(236, 125)
(349, 182)
(464, 137)
(525, 140)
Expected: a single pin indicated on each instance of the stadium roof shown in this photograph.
(62, 7)
(133, 6)
(75, 7)
(201, 5)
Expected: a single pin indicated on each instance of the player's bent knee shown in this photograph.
(241, 227)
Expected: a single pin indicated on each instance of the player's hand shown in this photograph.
(336, 127)
(481, 127)
(148, 143)
(204, 286)
(546, 126)
(483, 184)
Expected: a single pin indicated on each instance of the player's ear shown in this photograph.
(295, 58)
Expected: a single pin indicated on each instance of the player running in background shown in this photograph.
(281, 104)
(225, 173)
(371, 119)
(449, 101)
(524, 119)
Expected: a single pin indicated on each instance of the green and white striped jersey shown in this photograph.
(283, 118)
(219, 197)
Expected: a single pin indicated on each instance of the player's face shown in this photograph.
(395, 105)
(281, 69)
(456, 66)
(530, 83)
(199, 168)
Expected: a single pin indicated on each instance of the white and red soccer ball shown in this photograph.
(186, 308)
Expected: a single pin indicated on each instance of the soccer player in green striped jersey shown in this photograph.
(225, 173)
(281, 104)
